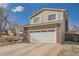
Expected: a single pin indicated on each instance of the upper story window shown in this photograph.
(36, 20)
(52, 17)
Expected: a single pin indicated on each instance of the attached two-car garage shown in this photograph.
(43, 36)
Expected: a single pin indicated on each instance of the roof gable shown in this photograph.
(51, 9)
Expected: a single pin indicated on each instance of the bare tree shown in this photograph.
(3, 19)
(12, 27)
(74, 28)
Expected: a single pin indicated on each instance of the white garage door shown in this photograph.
(44, 36)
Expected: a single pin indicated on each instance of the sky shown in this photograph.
(20, 12)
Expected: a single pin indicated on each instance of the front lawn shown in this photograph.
(5, 43)
(69, 50)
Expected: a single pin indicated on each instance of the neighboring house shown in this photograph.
(47, 25)
(10, 32)
(18, 30)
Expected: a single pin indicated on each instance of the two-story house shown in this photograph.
(47, 25)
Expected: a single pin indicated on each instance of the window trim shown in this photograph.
(52, 19)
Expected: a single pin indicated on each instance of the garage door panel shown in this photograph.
(43, 37)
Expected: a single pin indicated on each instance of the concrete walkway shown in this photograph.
(54, 50)
(30, 49)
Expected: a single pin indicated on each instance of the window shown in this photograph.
(51, 30)
(44, 31)
(36, 20)
(52, 17)
(37, 31)
(21, 30)
(34, 31)
(31, 32)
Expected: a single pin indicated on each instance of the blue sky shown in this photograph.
(21, 11)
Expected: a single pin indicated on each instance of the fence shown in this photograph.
(72, 37)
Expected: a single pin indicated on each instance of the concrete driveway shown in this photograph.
(30, 49)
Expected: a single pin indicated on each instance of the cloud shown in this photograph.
(18, 9)
(3, 5)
